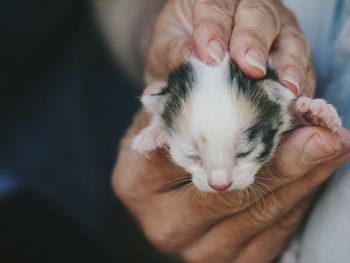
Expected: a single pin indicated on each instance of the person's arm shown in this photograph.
(219, 228)
(127, 26)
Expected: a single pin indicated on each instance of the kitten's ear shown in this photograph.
(278, 93)
(153, 136)
(150, 138)
(152, 98)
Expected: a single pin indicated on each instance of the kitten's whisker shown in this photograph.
(262, 195)
(271, 193)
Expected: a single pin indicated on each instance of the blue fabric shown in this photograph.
(338, 92)
(327, 233)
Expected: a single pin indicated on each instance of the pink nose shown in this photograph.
(220, 186)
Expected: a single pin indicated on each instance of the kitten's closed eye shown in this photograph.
(244, 154)
(221, 126)
(194, 157)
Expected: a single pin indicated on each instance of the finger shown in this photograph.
(133, 184)
(213, 22)
(267, 245)
(172, 39)
(246, 225)
(256, 25)
(136, 179)
(310, 81)
(286, 196)
(291, 55)
(308, 147)
(263, 247)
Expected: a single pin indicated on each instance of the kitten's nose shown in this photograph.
(220, 187)
(219, 180)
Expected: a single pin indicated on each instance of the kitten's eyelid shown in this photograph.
(195, 158)
(244, 154)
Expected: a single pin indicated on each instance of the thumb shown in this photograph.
(307, 158)
(212, 21)
(304, 149)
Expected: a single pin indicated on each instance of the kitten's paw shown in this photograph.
(318, 112)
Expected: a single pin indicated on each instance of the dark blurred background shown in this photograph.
(64, 105)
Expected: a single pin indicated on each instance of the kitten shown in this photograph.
(222, 126)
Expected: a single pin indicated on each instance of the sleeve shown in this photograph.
(127, 25)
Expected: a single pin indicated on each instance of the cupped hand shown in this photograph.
(243, 226)
(252, 31)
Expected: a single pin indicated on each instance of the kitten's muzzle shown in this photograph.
(219, 180)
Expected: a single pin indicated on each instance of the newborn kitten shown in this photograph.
(222, 126)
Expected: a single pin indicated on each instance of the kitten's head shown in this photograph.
(219, 125)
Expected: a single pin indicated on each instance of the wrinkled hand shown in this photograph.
(250, 30)
(248, 226)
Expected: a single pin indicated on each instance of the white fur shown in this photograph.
(214, 119)
(211, 126)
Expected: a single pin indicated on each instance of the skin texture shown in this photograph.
(205, 27)
(233, 227)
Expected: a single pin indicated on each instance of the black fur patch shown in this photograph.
(269, 112)
(179, 84)
(181, 81)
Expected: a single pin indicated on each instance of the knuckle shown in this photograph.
(215, 8)
(296, 62)
(250, 37)
(265, 11)
(261, 215)
(311, 182)
(207, 29)
(294, 35)
(255, 217)
(292, 62)
(289, 15)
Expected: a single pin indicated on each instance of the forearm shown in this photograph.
(127, 26)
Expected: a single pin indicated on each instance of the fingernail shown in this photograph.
(318, 149)
(293, 78)
(216, 50)
(256, 59)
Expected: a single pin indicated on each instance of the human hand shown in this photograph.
(250, 30)
(238, 227)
